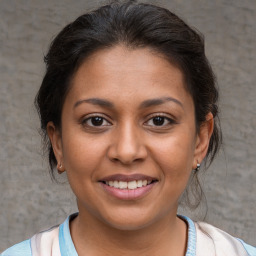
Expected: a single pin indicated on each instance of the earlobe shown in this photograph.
(56, 141)
(203, 139)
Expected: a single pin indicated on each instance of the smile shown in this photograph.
(128, 187)
(134, 184)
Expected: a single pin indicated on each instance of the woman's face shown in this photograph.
(128, 141)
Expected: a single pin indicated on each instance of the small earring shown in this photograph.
(197, 167)
(59, 168)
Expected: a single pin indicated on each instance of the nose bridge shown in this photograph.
(128, 144)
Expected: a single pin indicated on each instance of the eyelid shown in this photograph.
(170, 119)
(84, 119)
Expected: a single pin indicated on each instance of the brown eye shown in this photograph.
(95, 121)
(159, 120)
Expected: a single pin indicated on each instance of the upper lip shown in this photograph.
(127, 178)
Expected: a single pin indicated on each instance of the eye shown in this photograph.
(159, 121)
(95, 121)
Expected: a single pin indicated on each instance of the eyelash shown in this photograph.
(86, 120)
(167, 121)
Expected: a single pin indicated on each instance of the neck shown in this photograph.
(167, 236)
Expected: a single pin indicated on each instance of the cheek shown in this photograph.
(174, 152)
(81, 160)
(81, 154)
(174, 156)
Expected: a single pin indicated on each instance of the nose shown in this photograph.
(127, 145)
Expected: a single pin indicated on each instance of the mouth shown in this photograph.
(134, 184)
(128, 187)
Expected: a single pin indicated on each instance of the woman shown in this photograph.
(128, 106)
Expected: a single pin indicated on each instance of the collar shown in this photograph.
(67, 247)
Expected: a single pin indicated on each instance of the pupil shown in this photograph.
(97, 121)
(158, 120)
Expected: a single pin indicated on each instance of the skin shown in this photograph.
(128, 142)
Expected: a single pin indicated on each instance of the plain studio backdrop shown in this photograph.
(31, 202)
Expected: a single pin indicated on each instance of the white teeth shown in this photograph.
(139, 183)
(123, 184)
(128, 185)
(144, 183)
(132, 184)
(116, 184)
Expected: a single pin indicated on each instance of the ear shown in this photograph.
(56, 141)
(203, 139)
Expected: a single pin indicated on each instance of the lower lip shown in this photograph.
(128, 194)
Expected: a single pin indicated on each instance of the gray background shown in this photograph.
(30, 201)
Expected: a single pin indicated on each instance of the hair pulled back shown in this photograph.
(135, 25)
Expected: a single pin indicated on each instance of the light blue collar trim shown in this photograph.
(67, 247)
(191, 246)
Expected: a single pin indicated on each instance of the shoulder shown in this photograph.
(251, 250)
(221, 241)
(44, 243)
(41, 244)
(21, 249)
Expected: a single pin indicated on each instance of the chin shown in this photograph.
(129, 225)
(129, 221)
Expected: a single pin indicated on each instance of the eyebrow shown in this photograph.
(159, 101)
(144, 104)
(95, 101)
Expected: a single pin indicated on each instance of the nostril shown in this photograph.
(115, 159)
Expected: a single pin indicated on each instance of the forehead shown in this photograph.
(120, 72)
